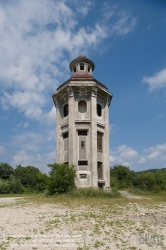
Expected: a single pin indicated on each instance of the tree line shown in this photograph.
(150, 180)
(61, 179)
(30, 179)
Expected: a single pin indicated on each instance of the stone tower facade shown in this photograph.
(82, 125)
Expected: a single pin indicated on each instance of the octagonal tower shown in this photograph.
(82, 125)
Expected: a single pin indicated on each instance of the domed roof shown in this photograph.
(79, 59)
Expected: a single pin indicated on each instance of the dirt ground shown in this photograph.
(126, 223)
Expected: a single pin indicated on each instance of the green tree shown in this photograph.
(122, 176)
(5, 171)
(27, 175)
(62, 178)
(145, 180)
(42, 182)
(160, 178)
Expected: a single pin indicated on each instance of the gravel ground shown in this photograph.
(126, 225)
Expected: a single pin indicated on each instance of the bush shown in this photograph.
(62, 178)
(15, 185)
(4, 187)
(12, 185)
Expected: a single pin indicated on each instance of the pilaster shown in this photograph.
(93, 149)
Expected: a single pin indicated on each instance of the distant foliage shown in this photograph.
(123, 177)
(12, 185)
(5, 171)
(27, 175)
(62, 178)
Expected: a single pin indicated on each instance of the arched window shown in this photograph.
(82, 106)
(99, 110)
(74, 69)
(89, 68)
(65, 110)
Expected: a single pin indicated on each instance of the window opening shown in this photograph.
(66, 110)
(99, 141)
(83, 176)
(82, 132)
(74, 69)
(65, 135)
(100, 170)
(81, 66)
(89, 68)
(82, 144)
(99, 109)
(82, 163)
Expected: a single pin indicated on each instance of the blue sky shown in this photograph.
(127, 42)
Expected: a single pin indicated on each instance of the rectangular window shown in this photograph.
(100, 170)
(82, 144)
(99, 141)
(82, 163)
(83, 176)
(65, 135)
(81, 66)
(82, 132)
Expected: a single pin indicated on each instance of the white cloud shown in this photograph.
(154, 155)
(2, 150)
(35, 36)
(51, 116)
(123, 155)
(126, 152)
(37, 160)
(127, 156)
(112, 128)
(142, 160)
(26, 124)
(158, 80)
(51, 135)
(28, 141)
(125, 24)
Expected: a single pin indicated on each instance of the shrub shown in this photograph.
(4, 187)
(62, 178)
(15, 185)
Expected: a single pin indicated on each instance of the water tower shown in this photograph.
(82, 125)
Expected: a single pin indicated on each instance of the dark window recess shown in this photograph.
(65, 110)
(99, 141)
(82, 132)
(82, 144)
(88, 68)
(82, 163)
(99, 110)
(83, 176)
(74, 69)
(81, 66)
(65, 135)
(100, 170)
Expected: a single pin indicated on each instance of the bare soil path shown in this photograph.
(128, 195)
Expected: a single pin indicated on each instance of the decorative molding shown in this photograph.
(70, 92)
(82, 92)
(94, 91)
(108, 100)
(64, 96)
